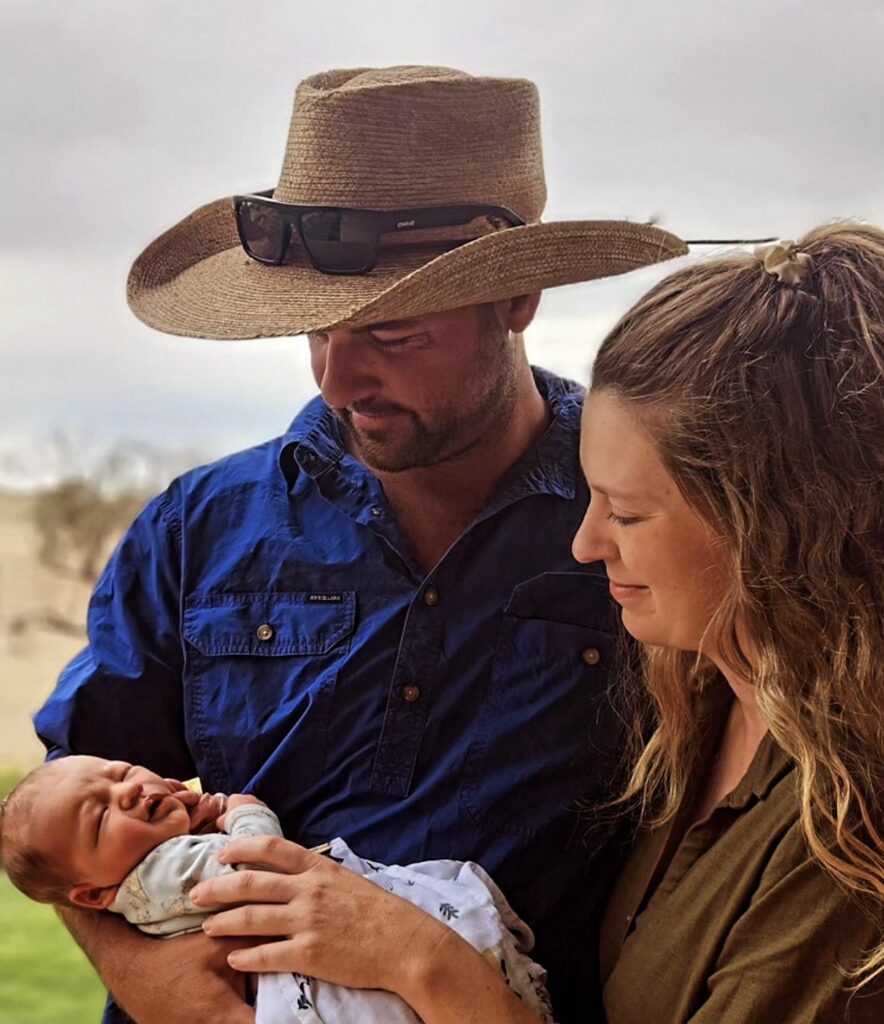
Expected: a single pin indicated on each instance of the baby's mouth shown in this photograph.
(152, 802)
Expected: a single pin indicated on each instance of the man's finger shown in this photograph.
(266, 919)
(277, 957)
(243, 887)
(272, 853)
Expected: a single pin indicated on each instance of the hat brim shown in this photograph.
(195, 280)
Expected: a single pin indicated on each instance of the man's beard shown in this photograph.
(454, 431)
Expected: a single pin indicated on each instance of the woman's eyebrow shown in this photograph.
(610, 492)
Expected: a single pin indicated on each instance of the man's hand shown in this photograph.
(181, 980)
(330, 923)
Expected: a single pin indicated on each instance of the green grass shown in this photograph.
(44, 978)
(8, 778)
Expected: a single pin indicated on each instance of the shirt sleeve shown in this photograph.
(130, 673)
(785, 957)
(251, 820)
(155, 896)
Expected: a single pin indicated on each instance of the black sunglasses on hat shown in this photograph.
(343, 240)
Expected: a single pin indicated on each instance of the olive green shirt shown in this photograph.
(731, 922)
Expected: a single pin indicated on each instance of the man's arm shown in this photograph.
(122, 698)
(182, 980)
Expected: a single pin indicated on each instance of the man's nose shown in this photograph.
(592, 541)
(345, 368)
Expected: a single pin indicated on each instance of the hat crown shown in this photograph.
(414, 136)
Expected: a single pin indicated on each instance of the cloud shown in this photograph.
(118, 119)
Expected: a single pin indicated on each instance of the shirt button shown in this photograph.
(264, 631)
(411, 693)
(431, 596)
(376, 511)
(591, 656)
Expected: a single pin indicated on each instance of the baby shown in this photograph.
(107, 835)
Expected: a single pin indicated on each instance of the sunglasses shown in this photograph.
(340, 240)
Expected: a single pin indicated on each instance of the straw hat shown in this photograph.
(385, 139)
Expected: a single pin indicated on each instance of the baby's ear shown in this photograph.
(92, 898)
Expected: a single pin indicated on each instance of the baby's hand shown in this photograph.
(205, 812)
(238, 800)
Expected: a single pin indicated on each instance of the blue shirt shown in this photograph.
(264, 626)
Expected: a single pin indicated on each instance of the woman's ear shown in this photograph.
(91, 897)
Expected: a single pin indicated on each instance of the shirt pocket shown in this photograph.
(260, 672)
(546, 735)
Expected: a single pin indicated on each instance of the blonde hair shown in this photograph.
(766, 403)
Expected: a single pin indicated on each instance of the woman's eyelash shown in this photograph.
(624, 520)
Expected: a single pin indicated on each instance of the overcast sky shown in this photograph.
(737, 117)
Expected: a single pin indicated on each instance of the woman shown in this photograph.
(734, 446)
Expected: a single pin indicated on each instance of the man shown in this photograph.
(374, 622)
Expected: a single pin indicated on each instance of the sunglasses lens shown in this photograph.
(263, 231)
(340, 241)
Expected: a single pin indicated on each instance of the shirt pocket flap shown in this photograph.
(269, 625)
(577, 598)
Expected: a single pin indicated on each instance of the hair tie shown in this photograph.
(785, 262)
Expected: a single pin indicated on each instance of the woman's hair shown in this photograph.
(29, 869)
(765, 400)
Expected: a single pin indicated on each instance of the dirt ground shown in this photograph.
(30, 661)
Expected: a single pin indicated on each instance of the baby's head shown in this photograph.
(73, 828)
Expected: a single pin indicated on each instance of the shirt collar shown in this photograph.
(313, 444)
(768, 766)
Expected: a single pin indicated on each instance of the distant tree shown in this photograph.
(79, 519)
(78, 523)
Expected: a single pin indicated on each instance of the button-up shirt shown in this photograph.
(263, 625)
(730, 921)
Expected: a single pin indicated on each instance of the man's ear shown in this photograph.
(91, 897)
(519, 311)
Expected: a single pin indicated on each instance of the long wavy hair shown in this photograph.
(765, 400)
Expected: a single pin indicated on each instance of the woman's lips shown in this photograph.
(624, 592)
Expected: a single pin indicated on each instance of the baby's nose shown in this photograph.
(128, 794)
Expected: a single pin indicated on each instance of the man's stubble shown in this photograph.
(488, 405)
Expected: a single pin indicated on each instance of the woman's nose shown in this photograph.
(592, 541)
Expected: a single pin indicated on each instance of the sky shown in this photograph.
(728, 119)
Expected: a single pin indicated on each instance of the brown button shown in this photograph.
(591, 656)
(264, 631)
(411, 693)
(431, 596)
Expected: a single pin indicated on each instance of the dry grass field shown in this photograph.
(44, 978)
(31, 660)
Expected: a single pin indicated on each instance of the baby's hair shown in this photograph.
(28, 868)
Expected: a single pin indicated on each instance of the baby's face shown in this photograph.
(100, 818)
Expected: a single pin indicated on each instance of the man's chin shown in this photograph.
(384, 460)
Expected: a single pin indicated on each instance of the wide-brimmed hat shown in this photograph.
(387, 139)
